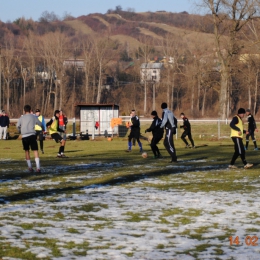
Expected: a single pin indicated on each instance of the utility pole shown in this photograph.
(154, 84)
(74, 83)
(153, 95)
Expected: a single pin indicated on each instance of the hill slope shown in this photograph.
(131, 27)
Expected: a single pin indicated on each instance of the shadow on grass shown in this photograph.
(73, 151)
(117, 180)
(125, 165)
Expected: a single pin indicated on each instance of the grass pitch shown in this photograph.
(104, 203)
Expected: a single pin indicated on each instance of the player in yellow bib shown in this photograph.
(53, 126)
(40, 131)
(236, 135)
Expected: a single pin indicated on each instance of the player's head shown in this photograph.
(241, 112)
(133, 112)
(27, 108)
(248, 112)
(182, 115)
(57, 113)
(164, 105)
(37, 112)
(154, 113)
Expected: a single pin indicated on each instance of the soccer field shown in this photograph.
(104, 203)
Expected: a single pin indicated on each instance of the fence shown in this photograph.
(201, 128)
(213, 128)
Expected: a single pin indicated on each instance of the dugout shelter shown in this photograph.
(95, 119)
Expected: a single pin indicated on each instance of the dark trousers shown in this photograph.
(239, 150)
(135, 135)
(252, 134)
(154, 142)
(39, 135)
(184, 134)
(169, 145)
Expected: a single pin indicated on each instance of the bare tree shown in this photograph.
(103, 54)
(145, 50)
(9, 66)
(48, 17)
(30, 47)
(55, 47)
(24, 75)
(88, 52)
(48, 71)
(172, 53)
(254, 38)
(229, 17)
(249, 72)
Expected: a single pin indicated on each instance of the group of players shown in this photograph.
(169, 124)
(30, 126)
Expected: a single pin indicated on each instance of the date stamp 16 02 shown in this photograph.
(249, 241)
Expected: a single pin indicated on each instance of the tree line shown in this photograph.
(209, 71)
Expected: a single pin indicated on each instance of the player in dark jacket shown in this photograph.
(187, 131)
(157, 132)
(134, 125)
(251, 129)
(4, 124)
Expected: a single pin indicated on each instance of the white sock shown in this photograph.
(37, 161)
(29, 163)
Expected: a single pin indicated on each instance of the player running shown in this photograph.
(53, 126)
(157, 132)
(187, 131)
(134, 131)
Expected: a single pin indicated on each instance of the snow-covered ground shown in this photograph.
(133, 220)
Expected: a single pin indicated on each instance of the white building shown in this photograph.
(77, 63)
(95, 118)
(150, 72)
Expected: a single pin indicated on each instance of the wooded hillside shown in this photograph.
(35, 58)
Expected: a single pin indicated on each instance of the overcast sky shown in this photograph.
(10, 10)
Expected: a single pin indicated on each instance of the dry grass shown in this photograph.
(150, 33)
(79, 26)
(107, 24)
(133, 42)
(196, 38)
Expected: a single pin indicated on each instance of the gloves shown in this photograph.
(181, 126)
(145, 131)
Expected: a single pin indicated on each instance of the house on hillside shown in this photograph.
(45, 75)
(151, 72)
(78, 63)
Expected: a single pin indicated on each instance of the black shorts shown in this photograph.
(30, 142)
(56, 137)
(134, 134)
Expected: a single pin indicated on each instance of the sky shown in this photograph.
(10, 10)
